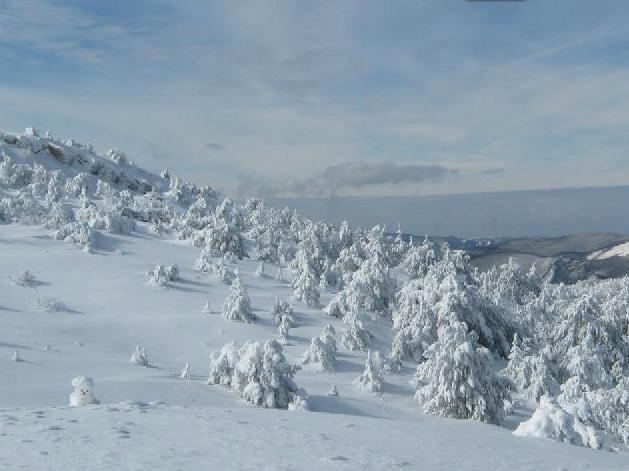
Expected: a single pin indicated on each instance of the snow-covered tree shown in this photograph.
(237, 306)
(458, 380)
(419, 258)
(79, 233)
(551, 421)
(282, 310)
(163, 274)
(25, 279)
(16, 356)
(355, 336)
(337, 307)
(414, 324)
(349, 260)
(258, 372)
(328, 335)
(139, 356)
(448, 292)
(53, 193)
(283, 329)
(371, 287)
(532, 373)
(376, 367)
(185, 372)
(58, 216)
(260, 270)
(322, 350)
(305, 284)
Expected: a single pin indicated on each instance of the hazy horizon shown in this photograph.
(521, 213)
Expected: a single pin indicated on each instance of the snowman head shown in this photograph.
(83, 386)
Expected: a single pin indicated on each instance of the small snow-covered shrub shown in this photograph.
(25, 279)
(259, 373)
(16, 356)
(50, 304)
(58, 216)
(204, 262)
(185, 372)
(116, 156)
(337, 307)
(237, 306)
(139, 356)
(83, 394)
(458, 380)
(372, 378)
(322, 352)
(163, 274)
(552, 422)
(24, 208)
(79, 233)
(355, 337)
(76, 185)
(282, 310)
(119, 224)
(299, 402)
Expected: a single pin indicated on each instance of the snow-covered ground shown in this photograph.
(620, 250)
(152, 419)
(87, 311)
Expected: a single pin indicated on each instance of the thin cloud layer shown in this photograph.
(473, 86)
(336, 180)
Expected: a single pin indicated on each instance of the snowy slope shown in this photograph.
(194, 426)
(620, 250)
(150, 418)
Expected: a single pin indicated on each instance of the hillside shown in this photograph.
(89, 240)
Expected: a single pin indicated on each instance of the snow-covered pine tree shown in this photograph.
(355, 337)
(372, 378)
(163, 274)
(458, 380)
(305, 284)
(337, 307)
(185, 372)
(260, 270)
(237, 306)
(419, 258)
(259, 373)
(371, 287)
(328, 335)
(283, 328)
(322, 350)
(531, 372)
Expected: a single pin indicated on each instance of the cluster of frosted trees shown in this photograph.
(479, 342)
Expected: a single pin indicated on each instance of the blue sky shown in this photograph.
(331, 98)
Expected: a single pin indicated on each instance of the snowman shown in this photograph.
(83, 393)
